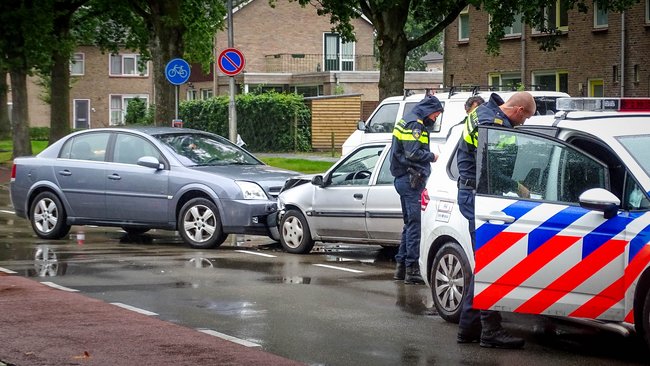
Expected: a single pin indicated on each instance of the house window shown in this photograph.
(77, 64)
(504, 81)
(636, 74)
(514, 30)
(600, 17)
(206, 93)
(191, 94)
(647, 11)
(551, 81)
(463, 25)
(596, 88)
(119, 104)
(127, 65)
(615, 73)
(338, 55)
(556, 17)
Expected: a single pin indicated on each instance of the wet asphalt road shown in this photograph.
(336, 306)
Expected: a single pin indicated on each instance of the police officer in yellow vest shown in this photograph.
(410, 164)
(485, 326)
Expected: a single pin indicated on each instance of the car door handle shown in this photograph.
(114, 176)
(358, 196)
(496, 217)
(66, 172)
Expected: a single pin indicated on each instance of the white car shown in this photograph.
(578, 246)
(382, 120)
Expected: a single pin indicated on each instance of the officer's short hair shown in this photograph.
(473, 99)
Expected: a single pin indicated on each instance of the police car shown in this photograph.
(578, 246)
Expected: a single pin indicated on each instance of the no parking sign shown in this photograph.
(231, 61)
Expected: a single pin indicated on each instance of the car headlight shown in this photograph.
(251, 191)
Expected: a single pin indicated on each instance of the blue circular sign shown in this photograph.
(177, 71)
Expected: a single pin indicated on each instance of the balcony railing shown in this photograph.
(304, 63)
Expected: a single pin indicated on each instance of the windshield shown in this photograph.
(637, 146)
(203, 149)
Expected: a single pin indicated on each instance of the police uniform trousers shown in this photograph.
(409, 248)
(472, 320)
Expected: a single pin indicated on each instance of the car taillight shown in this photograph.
(424, 199)
(13, 172)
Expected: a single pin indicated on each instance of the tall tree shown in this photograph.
(5, 126)
(390, 17)
(178, 29)
(24, 25)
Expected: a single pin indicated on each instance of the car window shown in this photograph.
(384, 119)
(204, 149)
(635, 197)
(357, 168)
(549, 169)
(88, 146)
(637, 146)
(129, 148)
(384, 176)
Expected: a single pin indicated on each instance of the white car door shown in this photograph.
(544, 254)
(384, 218)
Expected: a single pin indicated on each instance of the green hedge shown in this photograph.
(39, 133)
(266, 122)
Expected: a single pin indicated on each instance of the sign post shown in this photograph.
(231, 62)
(177, 73)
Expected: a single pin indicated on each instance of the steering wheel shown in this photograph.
(361, 174)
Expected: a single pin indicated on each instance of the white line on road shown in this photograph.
(7, 271)
(228, 338)
(256, 253)
(59, 287)
(9, 212)
(339, 268)
(133, 308)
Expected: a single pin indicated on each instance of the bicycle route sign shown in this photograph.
(231, 61)
(177, 71)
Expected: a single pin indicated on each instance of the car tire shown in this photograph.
(295, 235)
(48, 216)
(449, 280)
(199, 224)
(135, 230)
(646, 319)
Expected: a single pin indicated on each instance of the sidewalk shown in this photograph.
(46, 326)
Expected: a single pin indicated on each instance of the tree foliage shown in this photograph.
(429, 18)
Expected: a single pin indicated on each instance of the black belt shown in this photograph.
(466, 183)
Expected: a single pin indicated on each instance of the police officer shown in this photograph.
(410, 165)
(485, 326)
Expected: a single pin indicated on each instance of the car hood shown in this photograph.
(271, 179)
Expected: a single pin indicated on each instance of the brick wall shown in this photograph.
(584, 52)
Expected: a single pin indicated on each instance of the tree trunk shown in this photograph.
(166, 44)
(5, 124)
(392, 64)
(20, 114)
(59, 96)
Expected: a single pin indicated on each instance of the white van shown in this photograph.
(382, 120)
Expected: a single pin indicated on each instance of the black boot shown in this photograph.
(413, 276)
(500, 338)
(400, 271)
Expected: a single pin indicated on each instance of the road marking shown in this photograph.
(9, 212)
(339, 268)
(5, 270)
(243, 342)
(133, 308)
(59, 287)
(256, 253)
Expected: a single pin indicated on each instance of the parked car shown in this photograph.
(354, 202)
(139, 179)
(382, 120)
(578, 246)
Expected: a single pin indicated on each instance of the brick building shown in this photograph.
(597, 56)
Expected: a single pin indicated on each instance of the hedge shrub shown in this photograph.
(266, 122)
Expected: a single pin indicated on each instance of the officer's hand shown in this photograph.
(435, 157)
(522, 191)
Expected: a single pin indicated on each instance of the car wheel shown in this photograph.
(449, 281)
(135, 230)
(48, 216)
(199, 224)
(646, 319)
(294, 233)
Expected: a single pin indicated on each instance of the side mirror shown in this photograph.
(361, 125)
(317, 180)
(600, 199)
(150, 162)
